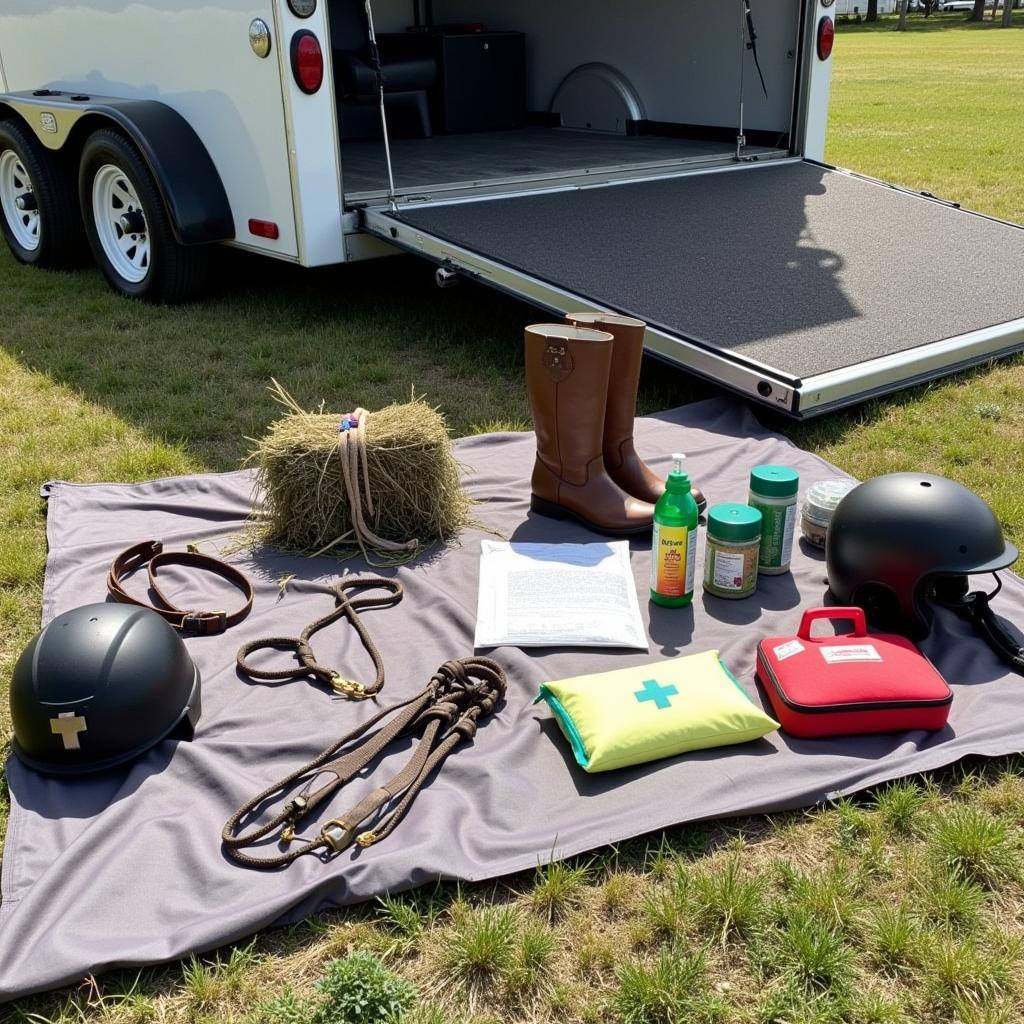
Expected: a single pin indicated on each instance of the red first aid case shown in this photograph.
(856, 683)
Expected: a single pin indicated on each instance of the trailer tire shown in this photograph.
(49, 235)
(129, 229)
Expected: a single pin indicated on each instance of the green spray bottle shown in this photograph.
(674, 542)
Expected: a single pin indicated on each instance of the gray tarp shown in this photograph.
(126, 869)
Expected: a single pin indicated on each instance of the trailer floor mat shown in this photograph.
(526, 152)
(794, 266)
(125, 868)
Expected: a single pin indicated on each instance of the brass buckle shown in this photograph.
(337, 834)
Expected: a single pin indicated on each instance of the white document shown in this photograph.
(557, 595)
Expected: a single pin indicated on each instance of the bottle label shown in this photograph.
(777, 523)
(672, 556)
(729, 571)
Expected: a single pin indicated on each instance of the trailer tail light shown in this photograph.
(826, 37)
(307, 61)
(264, 229)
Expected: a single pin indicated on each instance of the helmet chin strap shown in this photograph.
(975, 608)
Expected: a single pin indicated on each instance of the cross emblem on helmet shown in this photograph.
(68, 725)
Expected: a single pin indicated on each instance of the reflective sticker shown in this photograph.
(850, 652)
(788, 649)
(48, 122)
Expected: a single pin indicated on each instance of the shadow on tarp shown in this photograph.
(595, 784)
(85, 796)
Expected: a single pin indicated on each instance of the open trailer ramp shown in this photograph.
(802, 286)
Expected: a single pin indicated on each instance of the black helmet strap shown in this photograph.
(975, 607)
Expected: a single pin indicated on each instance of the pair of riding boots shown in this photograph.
(582, 378)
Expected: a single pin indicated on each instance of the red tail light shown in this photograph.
(307, 61)
(826, 37)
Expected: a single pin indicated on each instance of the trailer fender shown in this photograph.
(185, 174)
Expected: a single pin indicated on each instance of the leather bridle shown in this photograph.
(445, 714)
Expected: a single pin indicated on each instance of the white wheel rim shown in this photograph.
(126, 247)
(14, 184)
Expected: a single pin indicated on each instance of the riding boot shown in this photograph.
(567, 371)
(624, 466)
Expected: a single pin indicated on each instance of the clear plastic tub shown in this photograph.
(820, 503)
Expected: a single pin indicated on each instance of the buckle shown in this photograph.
(205, 623)
(348, 687)
(337, 834)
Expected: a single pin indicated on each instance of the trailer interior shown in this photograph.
(492, 94)
(655, 168)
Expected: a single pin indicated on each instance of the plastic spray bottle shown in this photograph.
(674, 544)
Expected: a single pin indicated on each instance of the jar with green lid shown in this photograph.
(773, 493)
(733, 543)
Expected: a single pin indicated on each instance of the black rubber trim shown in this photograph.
(831, 709)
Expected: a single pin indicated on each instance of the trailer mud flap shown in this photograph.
(803, 287)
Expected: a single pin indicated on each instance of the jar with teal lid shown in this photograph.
(773, 493)
(731, 555)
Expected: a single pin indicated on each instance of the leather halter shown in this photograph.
(151, 554)
(445, 713)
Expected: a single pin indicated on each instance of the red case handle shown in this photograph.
(854, 615)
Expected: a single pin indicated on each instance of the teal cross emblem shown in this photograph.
(653, 690)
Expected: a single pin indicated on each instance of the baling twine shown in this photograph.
(352, 447)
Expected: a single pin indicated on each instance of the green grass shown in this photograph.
(904, 905)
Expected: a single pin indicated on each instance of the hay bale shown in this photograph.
(302, 501)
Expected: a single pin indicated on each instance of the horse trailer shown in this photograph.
(663, 159)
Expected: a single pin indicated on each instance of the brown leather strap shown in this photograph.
(150, 553)
(445, 714)
(308, 665)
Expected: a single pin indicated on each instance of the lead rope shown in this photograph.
(354, 468)
(448, 711)
(308, 665)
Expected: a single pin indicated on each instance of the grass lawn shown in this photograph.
(903, 906)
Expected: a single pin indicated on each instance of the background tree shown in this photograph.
(872, 14)
(901, 25)
(978, 14)
(1007, 12)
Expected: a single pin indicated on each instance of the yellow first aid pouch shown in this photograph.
(633, 715)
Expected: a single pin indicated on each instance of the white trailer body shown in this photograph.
(650, 133)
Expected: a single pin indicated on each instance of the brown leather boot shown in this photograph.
(624, 466)
(567, 380)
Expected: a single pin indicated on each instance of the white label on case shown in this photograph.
(788, 649)
(850, 652)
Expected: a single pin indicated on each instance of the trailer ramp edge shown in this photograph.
(802, 287)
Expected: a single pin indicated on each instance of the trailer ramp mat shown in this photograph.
(807, 272)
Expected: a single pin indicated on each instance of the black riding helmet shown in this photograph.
(98, 686)
(895, 540)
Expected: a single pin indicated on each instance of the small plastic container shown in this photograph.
(820, 503)
(773, 493)
(733, 543)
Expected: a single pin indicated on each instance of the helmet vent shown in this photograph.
(963, 549)
(926, 483)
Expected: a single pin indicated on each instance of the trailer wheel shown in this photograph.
(128, 226)
(38, 207)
